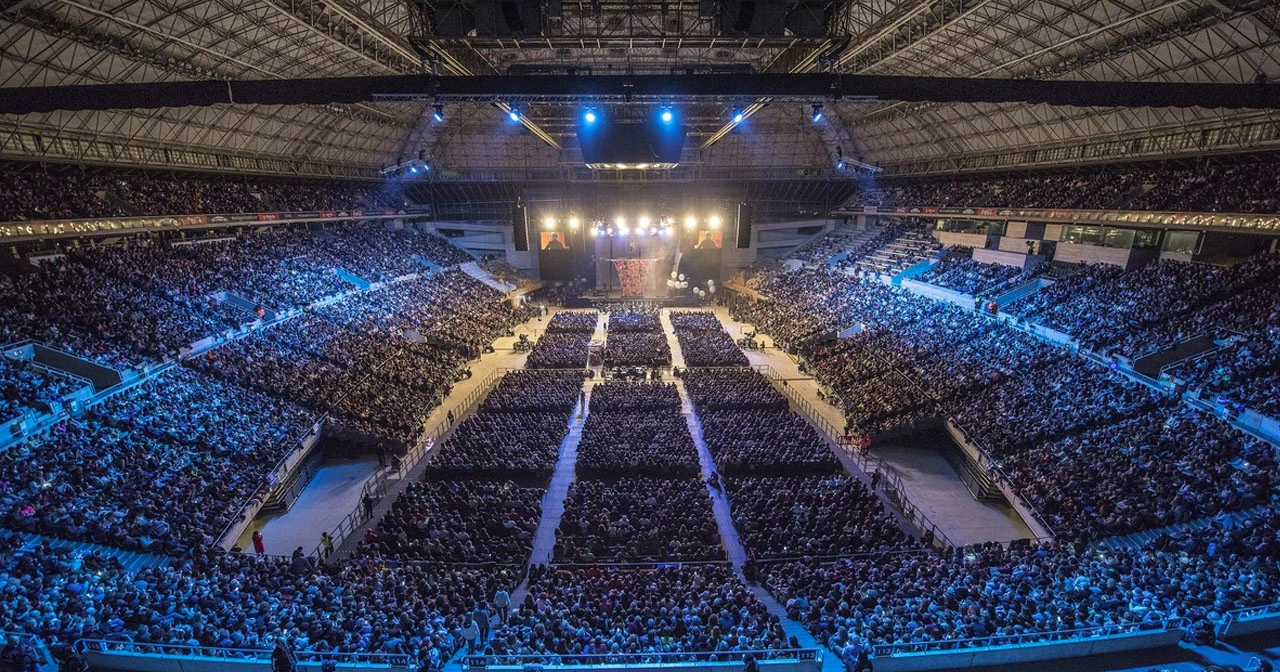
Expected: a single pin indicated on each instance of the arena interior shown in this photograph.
(639, 335)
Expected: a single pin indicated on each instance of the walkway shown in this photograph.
(335, 491)
(719, 502)
(544, 540)
(132, 560)
(930, 481)
(677, 355)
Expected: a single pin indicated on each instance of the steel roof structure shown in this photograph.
(74, 42)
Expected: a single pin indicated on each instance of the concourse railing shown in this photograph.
(1024, 638)
(526, 661)
(90, 647)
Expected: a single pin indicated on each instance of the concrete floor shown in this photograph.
(335, 491)
(328, 498)
(929, 480)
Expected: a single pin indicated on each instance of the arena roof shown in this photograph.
(73, 42)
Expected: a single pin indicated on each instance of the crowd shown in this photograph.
(460, 522)
(637, 348)
(560, 350)
(637, 519)
(634, 318)
(654, 443)
(704, 342)
(517, 431)
(1245, 188)
(1033, 592)
(760, 437)
(352, 360)
(573, 322)
(25, 387)
(232, 601)
(594, 610)
(141, 302)
(163, 467)
(1169, 465)
(36, 194)
(960, 272)
(818, 515)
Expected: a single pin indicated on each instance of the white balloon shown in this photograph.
(712, 290)
(673, 274)
(682, 276)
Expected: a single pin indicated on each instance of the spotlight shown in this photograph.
(667, 115)
(514, 113)
(549, 223)
(840, 164)
(690, 223)
(738, 115)
(644, 222)
(817, 113)
(622, 221)
(714, 221)
(437, 113)
(413, 169)
(622, 229)
(589, 116)
(574, 223)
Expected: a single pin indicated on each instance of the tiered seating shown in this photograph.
(896, 255)
(958, 271)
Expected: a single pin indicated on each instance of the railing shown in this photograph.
(611, 659)
(890, 481)
(996, 470)
(44, 660)
(376, 488)
(992, 641)
(1232, 618)
(108, 646)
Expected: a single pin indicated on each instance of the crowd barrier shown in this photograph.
(1025, 648)
(783, 660)
(104, 654)
(1250, 620)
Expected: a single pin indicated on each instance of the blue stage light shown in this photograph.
(667, 116)
(589, 116)
(437, 113)
(738, 116)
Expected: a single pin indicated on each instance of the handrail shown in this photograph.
(376, 488)
(892, 483)
(1230, 618)
(994, 467)
(558, 660)
(1020, 639)
(393, 660)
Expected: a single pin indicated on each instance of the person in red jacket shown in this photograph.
(259, 546)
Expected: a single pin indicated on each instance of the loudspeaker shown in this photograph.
(453, 19)
(520, 227)
(753, 17)
(744, 226)
(809, 18)
(508, 18)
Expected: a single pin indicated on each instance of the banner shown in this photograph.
(634, 274)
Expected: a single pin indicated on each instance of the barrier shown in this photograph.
(44, 660)
(1024, 648)
(783, 660)
(103, 654)
(1239, 622)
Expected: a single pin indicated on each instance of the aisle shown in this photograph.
(931, 482)
(544, 540)
(719, 502)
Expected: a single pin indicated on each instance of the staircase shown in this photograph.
(1137, 540)
(133, 561)
(898, 254)
(473, 269)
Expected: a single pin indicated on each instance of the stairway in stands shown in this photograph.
(1137, 540)
(132, 560)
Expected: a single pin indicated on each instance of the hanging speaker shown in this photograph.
(520, 227)
(744, 226)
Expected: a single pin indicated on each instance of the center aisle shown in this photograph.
(733, 547)
(544, 540)
(719, 503)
